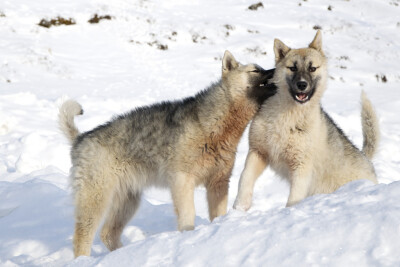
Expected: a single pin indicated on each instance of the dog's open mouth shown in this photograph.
(266, 76)
(301, 97)
(264, 83)
(267, 85)
(270, 87)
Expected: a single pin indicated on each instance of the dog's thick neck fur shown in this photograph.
(224, 111)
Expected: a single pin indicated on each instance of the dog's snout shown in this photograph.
(301, 85)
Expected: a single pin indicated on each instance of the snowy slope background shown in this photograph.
(154, 50)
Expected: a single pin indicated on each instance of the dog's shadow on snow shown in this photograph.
(153, 219)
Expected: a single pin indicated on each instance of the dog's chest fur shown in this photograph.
(216, 143)
(287, 135)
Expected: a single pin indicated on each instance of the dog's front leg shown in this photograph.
(300, 182)
(182, 191)
(254, 166)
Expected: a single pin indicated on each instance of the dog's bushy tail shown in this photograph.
(370, 127)
(68, 110)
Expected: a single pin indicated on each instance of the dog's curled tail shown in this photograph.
(370, 127)
(68, 110)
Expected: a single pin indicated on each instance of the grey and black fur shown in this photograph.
(178, 145)
(298, 139)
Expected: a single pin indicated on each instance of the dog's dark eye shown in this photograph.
(312, 69)
(293, 68)
(256, 71)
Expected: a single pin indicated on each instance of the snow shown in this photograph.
(314, 232)
(116, 65)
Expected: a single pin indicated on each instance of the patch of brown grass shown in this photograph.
(56, 22)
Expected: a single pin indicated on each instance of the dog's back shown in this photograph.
(337, 160)
(142, 132)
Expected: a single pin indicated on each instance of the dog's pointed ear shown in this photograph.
(280, 50)
(317, 42)
(229, 62)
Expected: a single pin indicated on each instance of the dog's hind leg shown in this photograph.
(217, 196)
(92, 198)
(122, 209)
(254, 166)
(182, 191)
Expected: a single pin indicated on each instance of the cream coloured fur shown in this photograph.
(298, 139)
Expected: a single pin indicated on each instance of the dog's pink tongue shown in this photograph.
(301, 96)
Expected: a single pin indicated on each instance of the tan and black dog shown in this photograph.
(298, 139)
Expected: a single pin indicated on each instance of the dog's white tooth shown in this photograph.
(262, 84)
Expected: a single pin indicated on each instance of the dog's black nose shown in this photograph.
(301, 85)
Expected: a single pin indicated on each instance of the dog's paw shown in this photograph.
(186, 228)
(291, 203)
(242, 205)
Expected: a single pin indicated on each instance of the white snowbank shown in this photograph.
(356, 226)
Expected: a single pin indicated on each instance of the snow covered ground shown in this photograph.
(154, 50)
